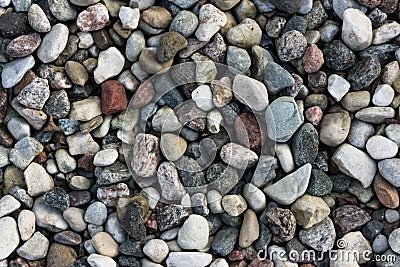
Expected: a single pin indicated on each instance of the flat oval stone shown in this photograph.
(23, 45)
(15, 70)
(390, 170)
(53, 43)
(380, 147)
(250, 92)
(9, 237)
(37, 19)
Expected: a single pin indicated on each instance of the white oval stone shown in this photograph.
(9, 238)
(356, 29)
(383, 95)
(105, 157)
(202, 96)
(26, 224)
(379, 147)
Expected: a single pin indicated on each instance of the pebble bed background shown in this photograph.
(296, 103)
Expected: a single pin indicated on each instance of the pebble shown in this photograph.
(23, 45)
(62, 10)
(379, 147)
(74, 217)
(170, 44)
(338, 56)
(245, 89)
(238, 58)
(309, 210)
(80, 143)
(26, 224)
(334, 128)
(14, 71)
(325, 230)
(94, 18)
(156, 249)
(394, 240)
(49, 217)
(199, 259)
(96, 213)
(234, 205)
(194, 233)
(360, 76)
(105, 69)
(349, 217)
(18, 128)
(254, 197)
(185, 23)
(9, 237)
(134, 45)
(211, 20)
(277, 78)
(238, 156)
(392, 216)
(291, 45)
(245, 35)
(35, 248)
(386, 192)
(285, 157)
(148, 156)
(105, 245)
(37, 180)
(37, 19)
(60, 255)
(76, 72)
(202, 96)
(224, 241)
(305, 144)
(129, 17)
(386, 32)
(58, 105)
(338, 86)
(383, 95)
(290, 187)
(214, 120)
(389, 170)
(53, 43)
(313, 59)
(8, 204)
(249, 231)
(96, 260)
(65, 162)
(392, 132)
(355, 101)
(283, 119)
(105, 157)
(157, 17)
(375, 115)
(380, 244)
(282, 224)
(356, 29)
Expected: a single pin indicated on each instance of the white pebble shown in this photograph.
(202, 96)
(383, 95)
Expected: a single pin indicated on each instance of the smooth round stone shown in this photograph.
(380, 244)
(359, 133)
(285, 157)
(62, 10)
(76, 72)
(105, 245)
(392, 131)
(9, 236)
(96, 213)
(354, 101)
(26, 224)
(291, 45)
(394, 240)
(375, 115)
(37, 180)
(96, 260)
(390, 170)
(18, 128)
(383, 95)
(211, 21)
(79, 183)
(172, 146)
(74, 217)
(202, 96)
(392, 215)
(283, 118)
(246, 89)
(23, 45)
(8, 204)
(193, 233)
(334, 128)
(245, 35)
(53, 43)
(250, 229)
(105, 157)
(37, 19)
(189, 258)
(379, 147)
(225, 240)
(214, 202)
(276, 78)
(305, 144)
(65, 162)
(156, 249)
(255, 197)
(15, 70)
(386, 32)
(185, 23)
(59, 255)
(238, 58)
(114, 228)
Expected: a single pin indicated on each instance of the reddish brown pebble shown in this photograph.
(237, 255)
(370, 3)
(143, 95)
(313, 59)
(247, 131)
(262, 263)
(348, 218)
(113, 97)
(93, 18)
(386, 193)
(314, 115)
(86, 162)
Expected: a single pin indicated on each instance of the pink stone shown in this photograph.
(313, 59)
(93, 18)
(314, 115)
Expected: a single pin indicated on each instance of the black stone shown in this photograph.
(128, 261)
(320, 184)
(372, 229)
(171, 216)
(297, 23)
(338, 56)
(341, 182)
(57, 198)
(13, 24)
(305, 144)
(132, 248)
(132, 222)
(364, 73)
